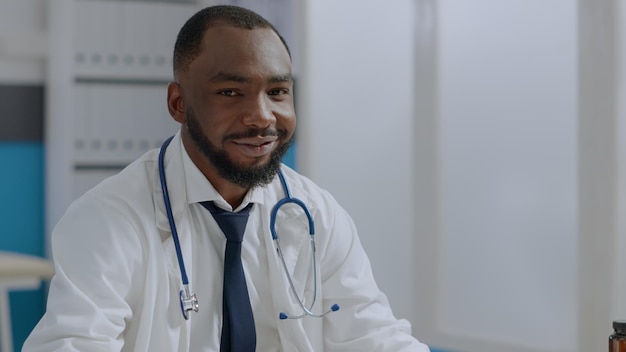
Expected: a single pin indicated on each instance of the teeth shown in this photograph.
(257, 144)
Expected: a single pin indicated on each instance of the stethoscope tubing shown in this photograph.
(189, 301)
(168, 209)
(289, 199)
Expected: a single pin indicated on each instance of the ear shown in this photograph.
(175, 102)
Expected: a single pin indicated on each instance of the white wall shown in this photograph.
(508, 149)
(619, 296)
(598, 97)
(355, 125)
(524, 158)
(512, 164)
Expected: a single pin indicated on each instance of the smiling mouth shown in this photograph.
(256, 147)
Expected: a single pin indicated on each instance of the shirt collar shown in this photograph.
(199, 189)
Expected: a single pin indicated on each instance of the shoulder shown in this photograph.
(120, 203)
(110, 229)
(128, 191)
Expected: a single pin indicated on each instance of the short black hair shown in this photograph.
(189, 40)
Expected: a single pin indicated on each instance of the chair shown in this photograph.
(18, 272)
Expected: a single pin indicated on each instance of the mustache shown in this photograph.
(257, 132)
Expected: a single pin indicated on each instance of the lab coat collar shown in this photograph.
(195, 187)
(199, 189)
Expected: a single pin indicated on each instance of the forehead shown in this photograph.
(249, 52)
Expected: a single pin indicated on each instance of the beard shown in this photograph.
(245, 176)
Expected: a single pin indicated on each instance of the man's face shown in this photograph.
(238, 104)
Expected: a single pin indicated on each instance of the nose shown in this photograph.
(259, 112)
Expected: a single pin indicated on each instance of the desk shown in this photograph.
(18, 272)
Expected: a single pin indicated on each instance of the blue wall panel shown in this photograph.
(290, 158)
(22, 219)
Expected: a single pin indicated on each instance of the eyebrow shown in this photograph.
(280, 78)
(231, 77)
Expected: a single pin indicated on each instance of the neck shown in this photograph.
(232, 193)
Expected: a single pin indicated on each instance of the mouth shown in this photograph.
(256, 147)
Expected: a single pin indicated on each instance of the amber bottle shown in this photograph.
(617, 340)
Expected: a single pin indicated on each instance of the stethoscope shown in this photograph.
(189, 301)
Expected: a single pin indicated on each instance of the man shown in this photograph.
(118, 278)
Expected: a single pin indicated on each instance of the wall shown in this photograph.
(507, 140)
(519, 175)
(355, 125)
(21, 148)
(21, 214)
(507, 162)
(620, 245)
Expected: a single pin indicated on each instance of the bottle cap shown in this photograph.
(619, 325)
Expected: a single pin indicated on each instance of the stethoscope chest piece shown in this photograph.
(188, 302)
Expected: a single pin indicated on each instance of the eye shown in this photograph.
(228, 93)
(278, 92)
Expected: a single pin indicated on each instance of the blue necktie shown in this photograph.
(238, 332)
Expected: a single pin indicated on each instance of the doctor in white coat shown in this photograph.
(117, 276)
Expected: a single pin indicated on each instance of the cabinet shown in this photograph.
(107, 71)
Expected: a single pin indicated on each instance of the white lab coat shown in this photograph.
(117, 280)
